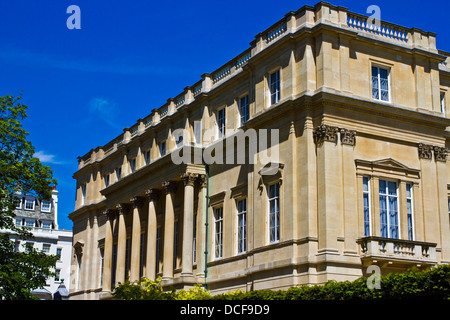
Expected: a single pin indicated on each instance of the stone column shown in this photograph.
(121, 243)
(152, 224)
(137, 203)
(107, 253)
(188, 220)
(169, 222)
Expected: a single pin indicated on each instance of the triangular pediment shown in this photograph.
(389, 162)
(386, 165)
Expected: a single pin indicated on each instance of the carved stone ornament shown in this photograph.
(440, 154)
(189, 178)
(348, 136)
(425, 151)
(152, 194)
(325, 133)
(169, 186)
(137, 202)
(110, 214)
(123, 208)
(202, 180)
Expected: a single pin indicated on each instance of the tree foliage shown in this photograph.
(20, 171)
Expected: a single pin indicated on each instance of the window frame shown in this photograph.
(369, 209)
(274, 86)
(241, 242)
(33, 201)
(221, 128)
(277, 216)
(380, 67)
(388, 209)
(218, 234)
(49, 206)
(442, 98)
(162, 146)
(244, 109)
(410, 215)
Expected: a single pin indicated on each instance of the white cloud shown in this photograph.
(46, 158)
(105, 110)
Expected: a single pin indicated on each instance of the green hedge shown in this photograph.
(433, 283)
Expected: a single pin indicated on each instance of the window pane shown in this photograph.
(383, 216)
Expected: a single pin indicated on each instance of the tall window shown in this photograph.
(132, 165)
(443, 102)
(221, 122)
(218, 232)
(147, 157)
(106, 177)
(274, 87)
(388, 209)
(242, 225)
(141, 255)
(409, 211)
(118, 173)
(243, 109)
(366, 204)
(274, 212)
(380, 83)
(162, 148)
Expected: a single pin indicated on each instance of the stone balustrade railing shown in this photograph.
(397, 249)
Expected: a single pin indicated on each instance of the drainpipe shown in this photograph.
(206, 224)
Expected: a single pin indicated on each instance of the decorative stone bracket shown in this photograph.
(329, 133)
(426, 151)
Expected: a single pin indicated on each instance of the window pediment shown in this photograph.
(385, 167)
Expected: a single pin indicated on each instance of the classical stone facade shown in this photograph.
(358, 175)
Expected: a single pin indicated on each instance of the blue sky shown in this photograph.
(84, 86)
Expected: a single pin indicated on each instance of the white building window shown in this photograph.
(221, 122)
(380, 83)
(46, 206)
(274, 87)
(241, 206)
(29, 204)
(388, 194)
(46, 225)
(218, 232)
(274, 212)
(46, 248)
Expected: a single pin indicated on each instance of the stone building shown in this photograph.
(40, 217)
(315, 153)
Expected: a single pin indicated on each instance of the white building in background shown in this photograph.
(42, 218)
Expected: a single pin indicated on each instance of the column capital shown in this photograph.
(348, 136)
(440, 154)
(189, 178)
(152, 194)
(202, 180)
(137, 202)
(123, 208)
(110, 213)
(169, 186)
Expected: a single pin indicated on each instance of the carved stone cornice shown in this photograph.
(348, 136)
(425, 151)
(440, 154)
(169, 186)
(137, 202)
(189, 178)
(325, 133)
(152, 194)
